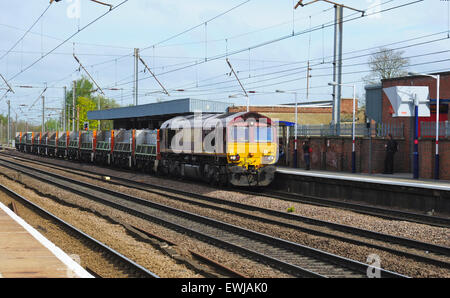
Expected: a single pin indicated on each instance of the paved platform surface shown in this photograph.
(400, 179)
(25, 253)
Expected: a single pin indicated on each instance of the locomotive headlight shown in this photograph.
(235, 157)
(268, 158)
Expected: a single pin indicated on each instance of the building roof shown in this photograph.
(173, 107)
(444, 73)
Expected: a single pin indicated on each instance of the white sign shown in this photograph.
(403, 99)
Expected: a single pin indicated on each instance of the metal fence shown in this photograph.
(428, 129)
(361, 129)
(3, 133)
(384, 129)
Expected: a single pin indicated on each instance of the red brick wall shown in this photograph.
(426, 167)
(427, 153)
(335, 154)
(346, 108)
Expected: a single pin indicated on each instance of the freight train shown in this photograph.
(240, 149)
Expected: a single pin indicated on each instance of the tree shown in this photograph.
(86, 102)
(52, 125)
(3, 119)
(106, 103)
(386, 64)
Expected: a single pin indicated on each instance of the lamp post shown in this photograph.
(246, 95)
(416, 138)
(243, 89)
(438, 79)
(296, 125)
(353, 123)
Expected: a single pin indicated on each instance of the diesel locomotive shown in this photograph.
(240, 149)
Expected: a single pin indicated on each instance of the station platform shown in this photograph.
(25, 253)
(399, 179)
(398, 191)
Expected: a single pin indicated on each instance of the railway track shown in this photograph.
(292, 258)
(123, 263)
(392, 214)
(413, 249)
(360, 208)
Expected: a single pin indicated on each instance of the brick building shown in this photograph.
(306, 114)
(334, 153)
(426, 142)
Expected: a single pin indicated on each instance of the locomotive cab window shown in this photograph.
(263, 135)
(240, 134)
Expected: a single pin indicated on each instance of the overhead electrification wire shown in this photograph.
(299, 70)
(25, 34)
(184, 86)
(67, 39)
(296, 79)
(275, 40)
(196, 26)
(176, 35)
(226, 39)
(356, 51)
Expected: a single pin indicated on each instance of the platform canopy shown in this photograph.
(154, 114)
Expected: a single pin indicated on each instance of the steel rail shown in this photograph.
(314, 258)
(140, 270)
(207, 200)
(360, 208)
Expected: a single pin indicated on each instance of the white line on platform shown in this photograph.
(61, 255)
(366, 179)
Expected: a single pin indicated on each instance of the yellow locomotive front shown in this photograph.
(252, 151)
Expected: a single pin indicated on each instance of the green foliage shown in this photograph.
(52, 125)
(86, 102)
(290, 209)
(3, 119)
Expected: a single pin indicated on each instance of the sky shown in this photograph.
(186, 44)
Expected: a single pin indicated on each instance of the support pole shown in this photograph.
(99, 108)
(295, 133)
(43, 115)
(416, 139)
(9, 121)
(337, 72)
(436, 160)
(136, 75)
(78, 118)
(307, 81)
(353, 132)
(334, 116)
(15, 127)
(370, 147)
(74, 91)
(65, 109)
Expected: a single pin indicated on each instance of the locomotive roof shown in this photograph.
(210, 120)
